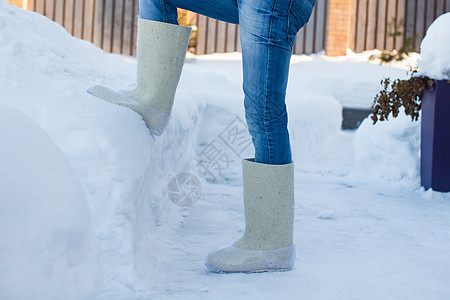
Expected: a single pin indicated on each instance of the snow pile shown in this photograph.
(388, 151)
(123, 170)
(48, 249)
(435, 50)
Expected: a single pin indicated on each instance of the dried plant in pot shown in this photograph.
(427, 92)
(432, 98)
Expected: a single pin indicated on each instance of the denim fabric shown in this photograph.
(267, 34)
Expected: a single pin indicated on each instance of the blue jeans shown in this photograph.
(267, 33)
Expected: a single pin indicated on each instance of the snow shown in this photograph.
(435, 50)
(83, 180)
(48, 249)
(388, 151)
(45, 74)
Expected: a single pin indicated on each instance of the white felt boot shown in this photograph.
(269, 218)
(161, 50)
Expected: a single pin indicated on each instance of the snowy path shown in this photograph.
(352, 242)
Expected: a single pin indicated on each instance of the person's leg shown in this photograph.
(161, 49)
(267, 32)
(166, 10)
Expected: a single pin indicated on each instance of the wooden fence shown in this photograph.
(411, 18)
(111, 24)
(217, 37)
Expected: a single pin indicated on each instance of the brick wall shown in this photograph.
(338, 28)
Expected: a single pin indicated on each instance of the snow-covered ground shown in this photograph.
(84, 206)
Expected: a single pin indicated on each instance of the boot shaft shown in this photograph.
(269, 205)
(161, 51)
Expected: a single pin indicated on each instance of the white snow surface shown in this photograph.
(48, 249)
(388, 151)
(83, 186)
(435, 49)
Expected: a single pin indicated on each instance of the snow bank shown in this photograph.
(123, 171)
(435, 50)
(388, 152)
(47, 249)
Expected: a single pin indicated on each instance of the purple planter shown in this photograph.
(435, 137)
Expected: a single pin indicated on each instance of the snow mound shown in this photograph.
(48, 249)
(388, 152)
(435, 50)
(123, 170)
